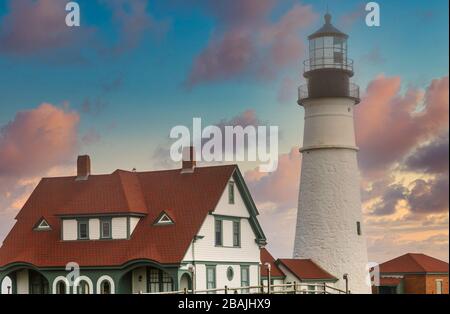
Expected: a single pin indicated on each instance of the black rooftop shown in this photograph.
(328, 30)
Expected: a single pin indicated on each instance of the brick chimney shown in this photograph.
(189, 162)
(83, 167)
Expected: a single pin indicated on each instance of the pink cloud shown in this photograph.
(37, 140)
(247, 42)
(389, 125)
(33, 26)
(280, 187)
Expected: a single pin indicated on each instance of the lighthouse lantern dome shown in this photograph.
(328, 49)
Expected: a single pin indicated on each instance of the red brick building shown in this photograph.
(413, 274)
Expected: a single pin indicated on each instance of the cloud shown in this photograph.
(280, 187)
(430, 196)
(247, 43)
(35, 143)
(37, 139)
(432, 157)
(34, 26)
(390, 198)
(389, 125)
(133, 20)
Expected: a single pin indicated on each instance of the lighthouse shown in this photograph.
(329, 220)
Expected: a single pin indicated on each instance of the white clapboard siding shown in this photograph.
(119, 228)
(22, 282)
(133, 223)
(139, 286)
(70, 229)
(94, 229)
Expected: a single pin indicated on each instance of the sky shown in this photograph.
(114, 87)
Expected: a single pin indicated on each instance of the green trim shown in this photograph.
(231, 195)
(221, 263)
(215, 232)
(225, 217)
(239, 235)
(99, 215)
(128, 228)
(101, 221)
(83, 221)
(248, 200)
(116, 267)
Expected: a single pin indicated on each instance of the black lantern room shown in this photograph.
(328, 69)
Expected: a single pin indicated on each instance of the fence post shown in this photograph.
(185, 290)
(324, 288)
(226, 289)
(295, 287)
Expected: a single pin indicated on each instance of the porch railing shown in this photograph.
(289, 288)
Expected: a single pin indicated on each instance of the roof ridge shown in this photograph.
(412, 257)
(125, 190)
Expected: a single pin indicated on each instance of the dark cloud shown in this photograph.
(432, 158)
(430, 196)
(392, 195)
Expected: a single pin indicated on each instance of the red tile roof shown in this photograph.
(188, 198)
(306, 269)
(389, 281)
(414, 263)
(266, 257)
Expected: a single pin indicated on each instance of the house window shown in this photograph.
(43, 225)
(230, 273)
(105, 287)
(83, 230)
(358, 228)
(231, 192)
(83, 287)
(218, 232)
(105, 228)
(236, 233)
(159, 281)
(154, 280)
(439, 286)
(245, 278)
(167, 283)
(211, 278)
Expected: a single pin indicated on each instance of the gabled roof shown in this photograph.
(414, 263)
(187, 198)
(306, 269)
(275, 271)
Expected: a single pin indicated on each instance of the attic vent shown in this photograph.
(42, 225)
(163, 219)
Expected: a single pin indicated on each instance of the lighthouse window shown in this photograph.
(358, 228)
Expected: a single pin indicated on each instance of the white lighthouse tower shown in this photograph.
(329, 220)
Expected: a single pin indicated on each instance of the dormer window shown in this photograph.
(83, 230)
(231, 192)
(105, 228)
(163, 219)
(42, 225)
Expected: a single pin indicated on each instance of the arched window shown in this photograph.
(61, 287)
(105, 287)
(83, 287)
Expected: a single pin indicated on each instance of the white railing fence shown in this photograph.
(289, 288)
